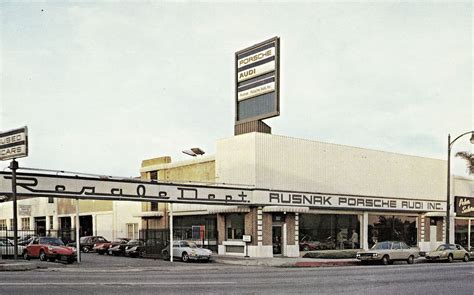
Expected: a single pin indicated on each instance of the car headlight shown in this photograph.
(375, 254)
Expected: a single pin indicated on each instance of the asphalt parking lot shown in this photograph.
(96, 261)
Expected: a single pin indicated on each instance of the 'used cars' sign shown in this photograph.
(14, 144)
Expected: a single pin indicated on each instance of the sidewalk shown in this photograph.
(284, 261)
(12, 265)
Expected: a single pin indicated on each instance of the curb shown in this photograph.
(273, 263)
(17, 266)
(325, 264)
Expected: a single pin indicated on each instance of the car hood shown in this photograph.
(62, 249)
(200, 251)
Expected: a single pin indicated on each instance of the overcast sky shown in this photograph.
(102, 86)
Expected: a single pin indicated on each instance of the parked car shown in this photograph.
(119, 249)
(187, 251)
(47, 248)
(306, 244)
(135, 248)
(103, 248)
(7, 248)
(388, 251)
(448, 252)
(87, 243)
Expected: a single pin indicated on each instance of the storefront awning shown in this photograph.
(149, 214)
(435, 214)
(229, 209)
(285, 209)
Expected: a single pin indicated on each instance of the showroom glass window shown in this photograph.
(472, 234)
(202, 229)
(392, 228)
(329, 231)
(234, 224)
(460, 232)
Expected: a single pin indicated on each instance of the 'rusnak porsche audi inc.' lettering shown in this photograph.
(43, 185)
(335, 201)
(14, 144)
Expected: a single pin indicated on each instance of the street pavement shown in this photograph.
(122, 275)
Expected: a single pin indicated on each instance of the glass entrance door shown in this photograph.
(276, 239)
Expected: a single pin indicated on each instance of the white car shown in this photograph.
(388, 251)
(7, 248)
(186, 251)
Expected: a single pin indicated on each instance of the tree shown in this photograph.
(469, 157)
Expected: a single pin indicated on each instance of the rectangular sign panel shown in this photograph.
(256, 71)
(41, 185)
(464, 207)
(256, 89)
(264, 55)
(14, 144)
(257, 81)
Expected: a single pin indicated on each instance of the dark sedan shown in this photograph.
(135, 248)
(87, 243)
(119, 249)
(103, 248)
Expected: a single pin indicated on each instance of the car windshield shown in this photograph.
(51, 241)
(382, 246)
(134, 242)
(445, 247)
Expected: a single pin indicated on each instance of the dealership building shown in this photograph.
(322, 195)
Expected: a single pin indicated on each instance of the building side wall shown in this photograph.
(463, 187)
(235, 160)
(68, 206)
(283, 163)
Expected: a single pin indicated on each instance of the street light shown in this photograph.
(448, 196)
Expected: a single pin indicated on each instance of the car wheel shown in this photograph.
(166, 255)
(185, 257)
(411, 259)
(26, 256)
(42, 255)
(141, 253)
(450, 258)
(466, 258)
(385, 260)
(86, 250)
(51, 259)
(305, 248)
(100, 252)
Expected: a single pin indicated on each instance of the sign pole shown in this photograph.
(171, 232)
(78, 244)
(13, 167)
